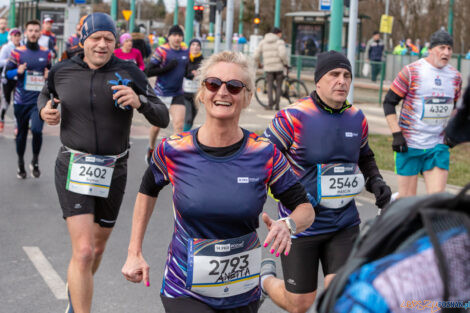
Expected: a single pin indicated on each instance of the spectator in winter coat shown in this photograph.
(273, 50)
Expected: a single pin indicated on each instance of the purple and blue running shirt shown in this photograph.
(308, 135)
(215, 198)
(170, 84)
(37, 61)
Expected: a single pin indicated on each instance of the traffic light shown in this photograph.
(212, 10)
(256, 20)
(198, 13)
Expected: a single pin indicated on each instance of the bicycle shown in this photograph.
(292, 89)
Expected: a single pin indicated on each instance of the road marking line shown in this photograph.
(45, 269)
(366, 199)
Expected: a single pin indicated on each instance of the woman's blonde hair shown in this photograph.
(245, 63)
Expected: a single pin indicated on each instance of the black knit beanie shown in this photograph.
(327, 61)
(441, 37)
(175, 30)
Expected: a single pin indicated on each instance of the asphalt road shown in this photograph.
(35, 246)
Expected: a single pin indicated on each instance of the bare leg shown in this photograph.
(88, 242)
(153, 135)
(407, 186)
(435, 180)
(177, 113)
(291, 302)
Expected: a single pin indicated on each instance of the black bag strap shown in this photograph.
(454, 203)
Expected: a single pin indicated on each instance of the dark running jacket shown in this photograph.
(90, 120)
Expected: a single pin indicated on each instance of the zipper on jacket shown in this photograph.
(92, 111)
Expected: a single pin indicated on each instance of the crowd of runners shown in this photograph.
(314, 157)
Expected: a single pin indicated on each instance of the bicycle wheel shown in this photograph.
(261, 92)
(295, 90)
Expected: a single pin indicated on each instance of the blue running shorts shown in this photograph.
(416, 161)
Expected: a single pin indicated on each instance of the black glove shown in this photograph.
(399, 142)
(449, 142)
(381, 191)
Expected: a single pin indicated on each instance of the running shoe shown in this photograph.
(148, 155)
(268, 267)
(69, 302)
(21, 173)
(2, 126)
(35, 172)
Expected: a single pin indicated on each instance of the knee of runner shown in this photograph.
(99, 250)
(301, 304)
(84, 255)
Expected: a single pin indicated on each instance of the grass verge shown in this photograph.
(459, 172)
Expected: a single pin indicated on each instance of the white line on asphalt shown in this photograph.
(366, 199)
(45, 269)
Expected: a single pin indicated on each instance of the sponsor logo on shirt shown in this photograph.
(246, 180)
(227, 247)
(222, 248)
(41, 59)
(438, 81)
(350, 134)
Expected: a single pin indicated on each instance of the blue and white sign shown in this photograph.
(325, 5)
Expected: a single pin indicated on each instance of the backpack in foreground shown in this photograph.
(415, 257)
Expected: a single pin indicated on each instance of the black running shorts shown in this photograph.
(177, 100)
(187, 304)
(300, 267)
(105, 210)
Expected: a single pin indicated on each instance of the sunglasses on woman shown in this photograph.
(234, 86)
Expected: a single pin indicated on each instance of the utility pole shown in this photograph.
(189, 21)
(218, 25)
(352, 32)
(240, 18)
(114, 5)
(12, 14)
(132, 19)
(387, 6)
(229, 26)
(336, 25)
(450, 20)
(175, 14)
(277, 14)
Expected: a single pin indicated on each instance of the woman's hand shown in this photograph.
(136, 269)
(279, 235)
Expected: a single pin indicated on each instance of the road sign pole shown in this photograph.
(240, 18)
(336, 25)
(175, 14)
(450, 19)
(12, 14)
(189, 21)
(277, 14)
(114, 8)
(132, 19)
(229, 25)
(352, 43)
(218, 28)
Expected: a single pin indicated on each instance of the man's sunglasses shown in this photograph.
(233, 86)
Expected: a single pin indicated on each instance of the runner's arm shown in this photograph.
(152, 69)
(136, 268)
(153, 109)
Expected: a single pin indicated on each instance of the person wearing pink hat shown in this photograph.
(127, 53)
